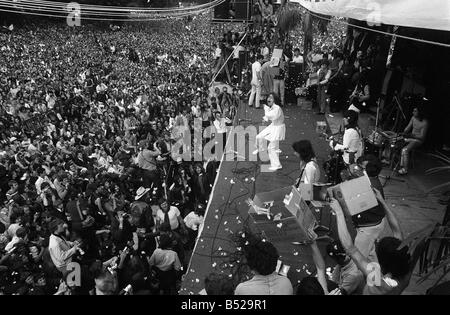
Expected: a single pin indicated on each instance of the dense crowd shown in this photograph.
(86, 170)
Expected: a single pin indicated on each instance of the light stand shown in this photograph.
(397, 109)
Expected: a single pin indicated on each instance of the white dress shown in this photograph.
(276, 131)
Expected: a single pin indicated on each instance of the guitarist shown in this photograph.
(359, 100)
(352, 145)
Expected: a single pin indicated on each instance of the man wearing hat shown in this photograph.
(142, 215)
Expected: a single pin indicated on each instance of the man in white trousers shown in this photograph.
(256, 82)
(274, 133)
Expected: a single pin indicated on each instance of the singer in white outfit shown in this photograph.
(274, 133)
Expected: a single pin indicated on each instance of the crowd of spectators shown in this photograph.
(86, 172)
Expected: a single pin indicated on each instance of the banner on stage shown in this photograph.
(430, 14)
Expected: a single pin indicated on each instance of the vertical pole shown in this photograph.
(392, 47)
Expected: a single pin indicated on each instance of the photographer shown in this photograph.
(47, 195)
(61, 184)
(42, 177)
(82, 223)
(147, 163)
(121, 229)
(61, 250)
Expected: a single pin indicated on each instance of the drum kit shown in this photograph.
(383, 143)
(387, 145)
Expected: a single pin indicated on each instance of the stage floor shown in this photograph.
(228, 212)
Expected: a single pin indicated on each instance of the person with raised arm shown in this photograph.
(393, 271)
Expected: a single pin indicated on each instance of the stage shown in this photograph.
(227, 212)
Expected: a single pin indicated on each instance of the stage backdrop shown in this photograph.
(430, 14)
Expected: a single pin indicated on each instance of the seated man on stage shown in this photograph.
(415, 132)
(273, 133)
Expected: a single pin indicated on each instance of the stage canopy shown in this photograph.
(429, 14)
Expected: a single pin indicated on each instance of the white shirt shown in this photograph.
(217, 53)
(311, 173)
(237, 50)
(174, 213)
(61, 251)
(256, 68)
(39, 182)
(193, 221)
(165, 259)
(196, 110)
(13, 242)
(297, 59)
(12, 229)
(50, 101)
(220, 125)
(101, 88)
(272, 284)
(352, 143)
(265, 52)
